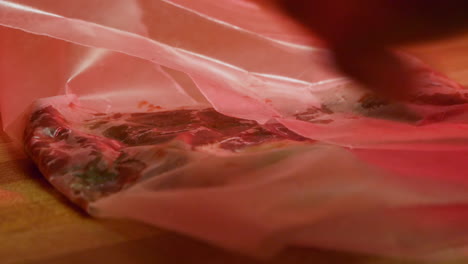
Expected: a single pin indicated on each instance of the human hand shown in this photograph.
(361, 32)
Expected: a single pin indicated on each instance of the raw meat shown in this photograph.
(109, 152)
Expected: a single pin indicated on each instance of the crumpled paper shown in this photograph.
(382, 178)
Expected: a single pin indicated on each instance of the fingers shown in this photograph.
(377, 69)
(383, 22)
(359, 33)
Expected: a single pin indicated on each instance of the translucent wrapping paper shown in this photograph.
(224, 121)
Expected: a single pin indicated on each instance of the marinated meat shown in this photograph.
(108, 152)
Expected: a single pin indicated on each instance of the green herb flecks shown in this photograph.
(97, 173)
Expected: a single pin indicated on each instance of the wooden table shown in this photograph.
(37, 225)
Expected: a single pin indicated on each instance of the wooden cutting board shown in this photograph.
(37, 225)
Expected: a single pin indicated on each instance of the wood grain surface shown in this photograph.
(37, 225)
